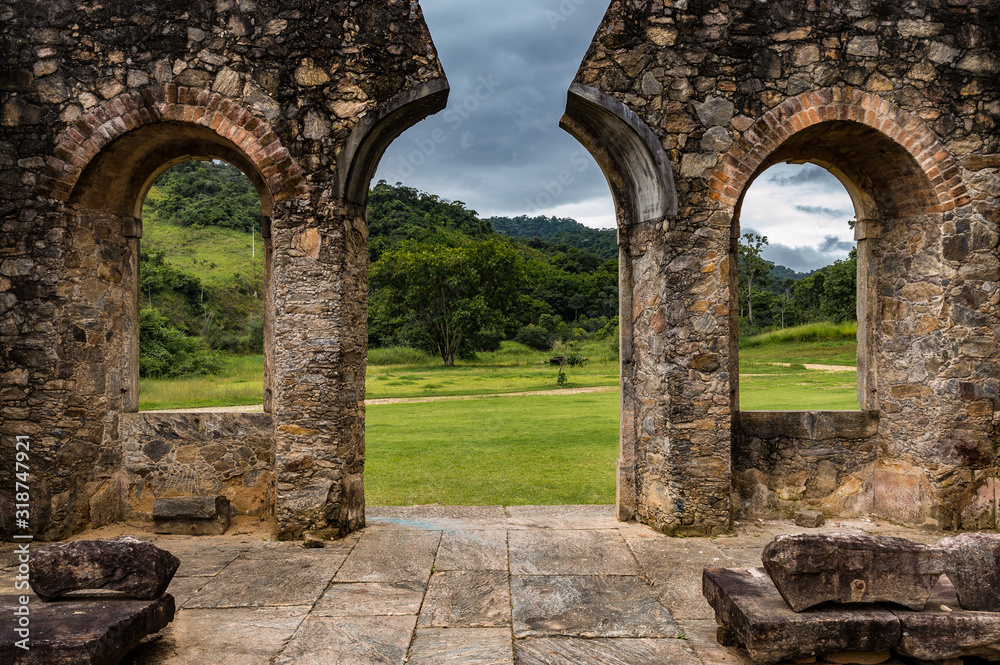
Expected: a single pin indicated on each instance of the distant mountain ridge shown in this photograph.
(560, 231)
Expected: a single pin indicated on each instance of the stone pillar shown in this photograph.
(320, 274)
(625, 486)
(867, 233)
(680, 327)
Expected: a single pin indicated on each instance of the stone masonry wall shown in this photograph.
(900, 101)
(198, 454)
(97, 100)
(786, 461)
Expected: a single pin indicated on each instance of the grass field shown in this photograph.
(501, 450)
(556, 449)
(240, 383)
(764, 385)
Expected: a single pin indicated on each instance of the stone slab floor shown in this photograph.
(433, 585)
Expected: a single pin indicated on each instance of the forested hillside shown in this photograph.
(553, 231)
(441, 277)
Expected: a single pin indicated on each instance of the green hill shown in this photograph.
(554, 231)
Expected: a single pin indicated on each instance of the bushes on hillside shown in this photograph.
(164, 351)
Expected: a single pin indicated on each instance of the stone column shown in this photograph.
(132, 234)
(320, 294)
(625, 486)
(681, 323)
(867, 233)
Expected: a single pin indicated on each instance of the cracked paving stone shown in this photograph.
(391, 556)
(484, 549)
(466, 599)
(298, 580)
(564, 552)
(349, 641)
(370, 599)
(588, 607)
(461, 646)
(618, 651)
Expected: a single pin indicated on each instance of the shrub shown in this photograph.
(398, 355)
(164, 351)
(534, 337)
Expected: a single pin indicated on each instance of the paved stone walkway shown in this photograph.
(431, 585)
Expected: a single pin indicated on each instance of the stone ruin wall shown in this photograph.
(900, 100)
(682, 102)
(95, 102)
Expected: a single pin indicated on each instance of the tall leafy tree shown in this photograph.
(840, 289)
(754, 270)
(448, 300)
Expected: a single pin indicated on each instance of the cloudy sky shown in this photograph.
(498, 146)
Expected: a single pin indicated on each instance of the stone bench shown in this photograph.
(191, 515)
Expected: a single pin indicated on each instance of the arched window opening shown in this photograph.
(202, 286)
(797, 287)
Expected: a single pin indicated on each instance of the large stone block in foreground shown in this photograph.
(126, 565)
(809, 569)
(749, 605)
(942, 632)
(973, 566)
(91, 631)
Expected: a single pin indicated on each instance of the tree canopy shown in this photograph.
(449, 300)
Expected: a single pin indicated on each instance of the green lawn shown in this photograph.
(552, 449)
(842, 352)
(557, 449)
(763, 385)
(241, 382)
(514, 368)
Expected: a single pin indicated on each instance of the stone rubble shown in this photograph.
(973, 566)
(783, 612)
(125, 565)
(809, 569)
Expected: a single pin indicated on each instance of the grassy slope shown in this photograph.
(193, 249)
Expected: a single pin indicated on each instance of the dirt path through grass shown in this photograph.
(403, 400)
(822, 368)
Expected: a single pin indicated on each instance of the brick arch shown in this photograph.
(891, 148)
(202, 123)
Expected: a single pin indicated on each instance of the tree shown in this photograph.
(448, 300)
(754, 270)
(785, 298)
(840, 289)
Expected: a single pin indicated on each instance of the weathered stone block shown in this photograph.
(125, 564)
(748, 604)
(192, 515)
(973, 566)
(91, 631)
(810, 519)
(941, 632)
(809, 569)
